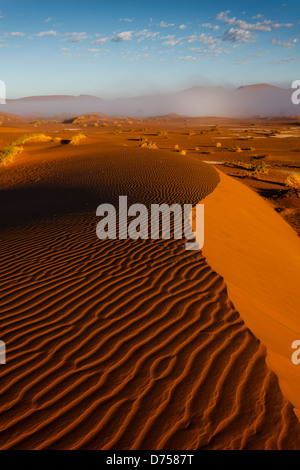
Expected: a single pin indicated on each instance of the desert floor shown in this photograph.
(123, 344)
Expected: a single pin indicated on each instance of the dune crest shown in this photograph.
(258, 254)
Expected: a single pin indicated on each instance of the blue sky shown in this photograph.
(125, 48)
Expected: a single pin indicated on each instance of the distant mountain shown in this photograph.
(245, 101)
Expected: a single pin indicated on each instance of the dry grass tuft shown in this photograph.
(8, 154)
(293, 181)
(77, 138)
(34, 138)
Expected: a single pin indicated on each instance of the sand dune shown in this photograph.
(263, 272)
(122, 344)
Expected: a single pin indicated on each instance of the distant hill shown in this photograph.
(245, 101)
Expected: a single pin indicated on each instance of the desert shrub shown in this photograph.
(218, 145)
(250, 174)
(254, 170)
(162, 133)
(77, 138)
(34, 138)
(235, 149)
(293, 181)
(9, 153)
(274, 132)
(151, 145)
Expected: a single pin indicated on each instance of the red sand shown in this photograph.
(130, 344)
(258, 254)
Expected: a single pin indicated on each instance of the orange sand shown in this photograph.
(132, 344)
(258, 254)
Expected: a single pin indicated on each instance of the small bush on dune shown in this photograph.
(235, 149)
(150, 145)
(9, 153)
(77, 138)
(34, 138)
(255, 170)
(293, 181)
(162, 133)
(218, 145)
(183, 152)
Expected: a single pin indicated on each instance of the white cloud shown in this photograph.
(48, 19)
(238, 35)
(266, 25)
(51, 32)
(17, 33)
(170, 40)
(163, 24)
(187, 57)
(210, 50)
(124, 36)
(203, 38)
(286, 45)
(182, 26)
(100, 41)
(210, 26)
(75, 37)
(284, 61)
(127, 20)
(146, 34)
